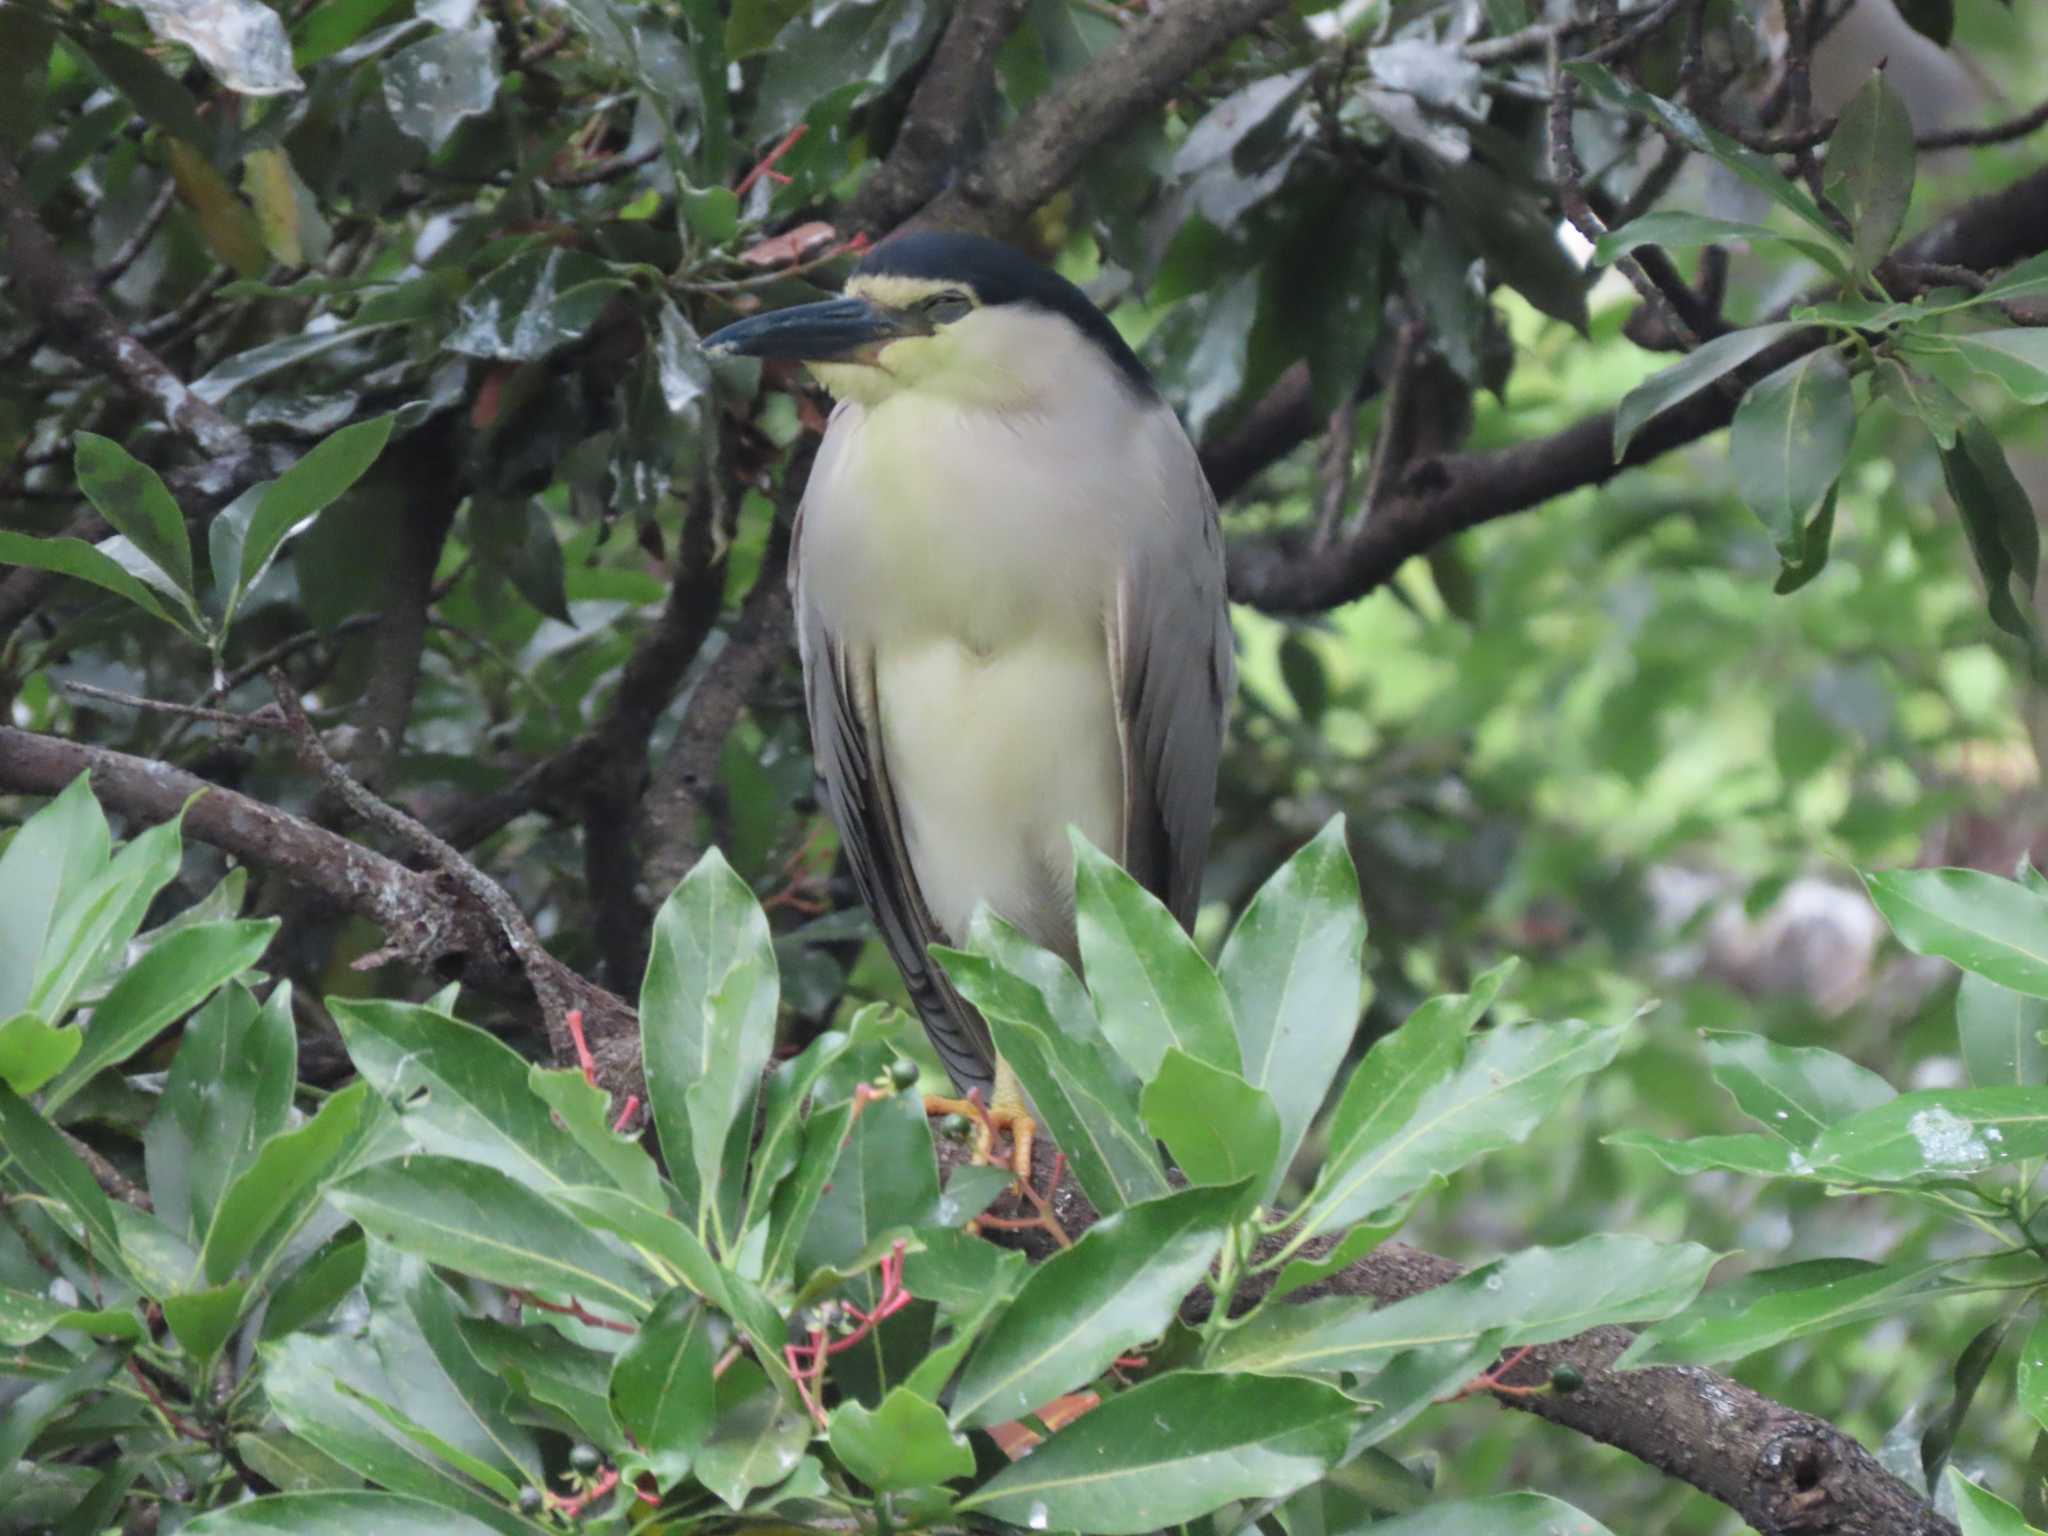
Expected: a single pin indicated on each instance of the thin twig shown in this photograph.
(266, 719)
(1334, 463)
(138, 240)
(1390, 452)
(1997, 133)
(610, 169)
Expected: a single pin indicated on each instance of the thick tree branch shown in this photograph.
(1782, 1470)
(83, 326)
(927, 146)
(1054, 136)
(1445, 496)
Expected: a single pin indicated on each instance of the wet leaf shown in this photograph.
(430, 87)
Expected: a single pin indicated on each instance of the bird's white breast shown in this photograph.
(975, 555)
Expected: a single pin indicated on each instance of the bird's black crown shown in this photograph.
(1001, 274)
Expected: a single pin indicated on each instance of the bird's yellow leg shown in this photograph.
(1008, 1110)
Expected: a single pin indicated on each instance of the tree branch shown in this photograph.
(1047, 145)
(1782, 1470)
(928, 144)
(84, 327)
(1282, 573)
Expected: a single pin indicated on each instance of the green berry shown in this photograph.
(1566, 1378)
(584, 1459)
(955, 1127)
(904, 1073)
(529, 1501)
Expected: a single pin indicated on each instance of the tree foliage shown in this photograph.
(394, 631)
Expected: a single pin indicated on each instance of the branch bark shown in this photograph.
(1787, 1473)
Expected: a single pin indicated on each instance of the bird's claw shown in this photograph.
(987, 1121)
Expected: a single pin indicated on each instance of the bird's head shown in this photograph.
(951, 316)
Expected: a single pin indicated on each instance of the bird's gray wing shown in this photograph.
(1172, 670)
(846, 741)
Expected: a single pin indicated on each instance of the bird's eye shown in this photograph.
(944, 308)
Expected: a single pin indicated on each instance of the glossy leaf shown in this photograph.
(32, 1052)
(1920, 395)
(661, 1387)
(1998, 517)
(1294, 971)
(1152, 988)
(39, 1151)
(2000, 1034)
(101, 918)
(904, 1443)
(346, 1513)
(1994, 928)
(1510, 1079)
(24, 1318)
(201, 1321)
(1982, 1513)
(1682, 380)
(1868, 171)
(129, 494)
(758, 1439)
(1675, 230)
(2032, 1372)
(168, 982)
(49, 861)
(1505, 1514)
(432, 85)
(1793, 1092)
(707, 1018)
(1768, 1157)
(478, 1221)
(1172, 1450)
(585, 1112)
(1118, 1286)
(1218, 1128)
(1789, 441)
(2026, 280)
(89, 563)
(1970, 1368)
(1938, 1131)
(1536, 1296)
(275, 1194)
(2016, 356)
(541, 300)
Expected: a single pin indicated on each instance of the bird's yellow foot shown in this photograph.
(1013, 1117)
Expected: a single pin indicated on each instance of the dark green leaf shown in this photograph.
(1677, 231)
(1682, 380)
(1294, 972)
(905, 1443)
(129, 495)
(1971, 1365)
(1999, 519)
(1172, 1450)
(478, 1221)
(338, 1514)
(86, 562)
(28, 1413)
(1789, 441)
(584, 1111)
(515, 535)
(1534, 1297)
(1919, 394)
(39, 1151)
(1118, 1286)
(276, 1194)
(1932, 19)
(758, 1440)
(432, 85)
(1868, 172)
(317, 1286)
(202, 1320)
(542, 299)
(1218, 1127)
(661, 1387)
(1812, 557)
(1152, 988)
(52, 857)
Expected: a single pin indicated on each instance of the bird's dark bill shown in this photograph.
(833, 331)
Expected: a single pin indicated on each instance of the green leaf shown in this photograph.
(1294, 972)
(758, 1440)
(2032, 1372)
(1686, 378)
(203, 1320)
(1970, 1368)
(1152, 988)
(278, 1192)
(905, 1443)
(1511, 1078)
(463, 1093)
(1812, 557)
(28, 1413)
(1943, 1131)
(1072, 1078)
(1789, 441)
(1868, 172)
(1769, 1157)
(2000, 1034)
(128, 494)
(1793, 1092)
(2016, 356)
(348, 1513)
(2028, 280)
(1998, 517)
(245, 538)
(168, 982)
(1980, 1513)
(96, 924)
(32, 1052)
(1505, 1514)
(1219, 1128)
(1172, 1450)
(584, 1111)
(24, 1318)
(317, 1286)
(707, 1020)
(87, 562)
(542, 1365)
(1774, 1306)
(292, 1464)
(1914, 393)
(661, 1387)
(1677, 231)
(228, 1092)
(39, 1151)
(542, 299)
(1534, 1297)
(1118, 1286)
(1994, 928)
(481, 1222)
(52, 858)
(1756, 169)
(786, 1103)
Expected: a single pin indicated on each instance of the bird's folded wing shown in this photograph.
(846, 738)
(1172, 669)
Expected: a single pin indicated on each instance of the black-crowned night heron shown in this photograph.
(1010, 606)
